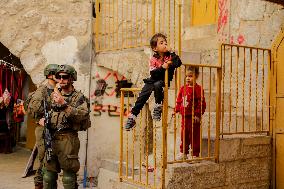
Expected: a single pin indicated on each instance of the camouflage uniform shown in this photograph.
(34, 106)
(66, 121)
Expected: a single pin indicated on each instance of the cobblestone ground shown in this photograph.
(12, 167)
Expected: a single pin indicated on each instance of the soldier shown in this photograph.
(69, 114)
(34, 106)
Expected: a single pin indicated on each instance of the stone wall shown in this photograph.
(44, 32)
(244, 163)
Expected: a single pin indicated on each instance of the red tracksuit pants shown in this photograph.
(188, 137)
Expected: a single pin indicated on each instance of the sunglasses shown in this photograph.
(62, 77)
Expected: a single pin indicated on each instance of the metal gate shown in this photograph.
(124, 24)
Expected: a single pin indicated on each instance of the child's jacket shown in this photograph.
(184, 102)
(157, 72)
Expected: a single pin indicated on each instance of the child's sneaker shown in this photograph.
(182, 156)
(130, 123)
(157, 112)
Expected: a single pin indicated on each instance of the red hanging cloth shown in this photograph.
(1, 82)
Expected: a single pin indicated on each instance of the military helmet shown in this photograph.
(50, 69)
(67, 69)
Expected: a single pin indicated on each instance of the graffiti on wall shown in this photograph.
(106, 88)
(112, 110)
(240, 40)
(223, 25)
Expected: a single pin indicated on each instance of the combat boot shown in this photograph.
(39, 186)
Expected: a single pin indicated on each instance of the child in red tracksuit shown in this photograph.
(191, 105)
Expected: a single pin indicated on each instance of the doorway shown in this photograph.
(277, 113)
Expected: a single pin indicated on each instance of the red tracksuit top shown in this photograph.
(184, 102)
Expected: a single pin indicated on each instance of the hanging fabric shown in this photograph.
(1, 86)
(19, 110)
(6, 71)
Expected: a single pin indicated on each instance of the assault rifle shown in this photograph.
(47, 132)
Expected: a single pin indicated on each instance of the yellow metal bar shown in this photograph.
(97, 25)
(249, 132)
(117, 24)
(131, 21)
(127, 139)
(169, 22)
(136, 16)
(164, 16)
(192, 119)
(237, 86)
(174, 24)
(250, 68)
(122, 31)
(109, 30)
(179, 29)
(201, 122)
(126, 24)
(147, 145)
(142, 26)
(175, 119)
(183, 116)
(105, 26)
(147, 21)
(222, 62)
(159, 16)
(140, 146)
(155, 154)
(218, 113)
(153, 16)
(256, 85)
(121, 133)
(202, 65)
(113, 24)
(230, 107)
(209, 119)
(164, 130)
(133, 146)
(244, 46)
(130, 89)
(262, 92)
(243, 87)
(270, 66)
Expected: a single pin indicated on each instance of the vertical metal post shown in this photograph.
(97, 24)
(164, 130)
(153, 16)
(121, 134)
(218, 113)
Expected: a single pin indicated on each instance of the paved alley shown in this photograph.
(11, 169)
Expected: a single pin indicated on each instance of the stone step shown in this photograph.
(110, 180)
(109, 176)
(199, 44)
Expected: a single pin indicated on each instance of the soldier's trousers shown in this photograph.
(38, 180)
(65, 156)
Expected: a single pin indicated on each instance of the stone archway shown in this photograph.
(19, 84)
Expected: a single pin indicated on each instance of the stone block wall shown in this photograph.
(244, 163)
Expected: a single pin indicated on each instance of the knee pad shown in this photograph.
(69, 180)
(49, 179)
